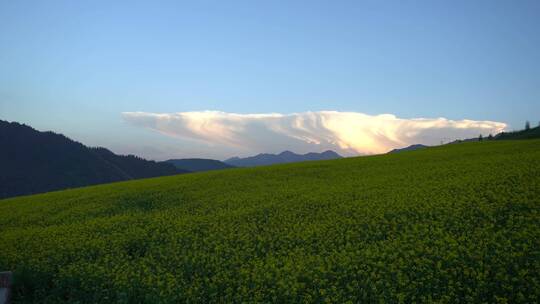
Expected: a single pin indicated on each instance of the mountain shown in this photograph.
(409, 148)
(137, 167)
(264, 159)
(34, 162)
(198, 164)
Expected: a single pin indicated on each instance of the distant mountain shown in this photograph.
(198, 164)
(283, 157)
(32, 162)
(409, 148)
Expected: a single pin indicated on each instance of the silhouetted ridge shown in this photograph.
(264, 159)
(34, 162)
(409, 148)
(137, 167)
(198, 164)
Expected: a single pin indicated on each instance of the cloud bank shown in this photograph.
(348, 133)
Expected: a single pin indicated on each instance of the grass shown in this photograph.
(456, 223)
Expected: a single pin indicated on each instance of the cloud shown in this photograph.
(349, 133)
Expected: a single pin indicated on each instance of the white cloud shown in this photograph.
(348, 133)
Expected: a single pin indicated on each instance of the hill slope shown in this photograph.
(198, 164)
(522, 134)
(455, 223)
(265, 159)
(409, 148)
(34, 162)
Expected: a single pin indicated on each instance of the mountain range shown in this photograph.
(32, 162)
(198, 164)
(264, 159)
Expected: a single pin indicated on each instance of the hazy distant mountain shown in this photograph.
(198, 164)
(283, 157)
(409, 148)
(32, 162)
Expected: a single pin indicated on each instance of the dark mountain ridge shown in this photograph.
(409, 148)
(33, 162)
(264, 159)
(198, 164)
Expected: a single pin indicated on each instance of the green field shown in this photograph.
(457, 223)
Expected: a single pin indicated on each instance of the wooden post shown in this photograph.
(5, 287)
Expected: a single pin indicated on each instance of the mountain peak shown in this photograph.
(198, 164)
(286, 153)
(286, 156)
(330, 152)
(409, 148)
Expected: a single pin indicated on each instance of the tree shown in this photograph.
(480, 138)
(490, 137)
(527, 125)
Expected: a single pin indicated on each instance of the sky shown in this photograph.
(173, 79)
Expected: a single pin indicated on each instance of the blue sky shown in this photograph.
(75, 66)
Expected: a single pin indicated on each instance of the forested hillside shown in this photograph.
(34, 162)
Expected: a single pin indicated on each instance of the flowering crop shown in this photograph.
(452, 224)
